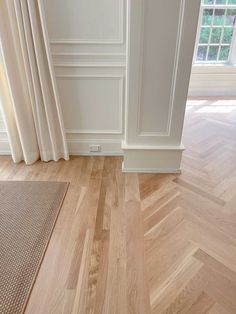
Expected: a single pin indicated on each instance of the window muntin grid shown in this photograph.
(217, 31)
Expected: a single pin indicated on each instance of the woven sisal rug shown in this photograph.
(28, 212)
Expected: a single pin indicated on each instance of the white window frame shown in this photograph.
(232, 53)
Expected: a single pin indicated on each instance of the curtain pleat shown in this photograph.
(30, 101)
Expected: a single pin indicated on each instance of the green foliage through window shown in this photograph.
(216, 30)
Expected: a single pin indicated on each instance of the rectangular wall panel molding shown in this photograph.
(86, 21)
(92, 104)
(151, 122)
(161, 37)
(88, 45)
(91, 59)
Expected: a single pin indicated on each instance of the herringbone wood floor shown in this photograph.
(148, 243)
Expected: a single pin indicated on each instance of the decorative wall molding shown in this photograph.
(174, 77)
(157, 83)
(86, 42)
(153, 159)
(96, 59)
(89, 65)
(93, 76)
(120, 78)
(126, 146)
(83, 131)
(91, 41)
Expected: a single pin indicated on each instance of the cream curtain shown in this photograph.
(29, 97)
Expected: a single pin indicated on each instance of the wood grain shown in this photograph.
(144, 243)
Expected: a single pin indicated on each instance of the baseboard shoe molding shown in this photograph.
(149, 170)
(152, 159)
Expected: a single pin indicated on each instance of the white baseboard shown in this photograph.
(149, 170)
(136, 158)
(152, 159)
(4, 147)
(109, 147)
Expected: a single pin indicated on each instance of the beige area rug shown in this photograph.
(28, 212)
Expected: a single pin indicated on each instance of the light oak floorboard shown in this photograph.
(144, 243)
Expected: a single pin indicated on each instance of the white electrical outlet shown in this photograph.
(95, 148)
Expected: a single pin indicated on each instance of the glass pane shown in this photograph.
(207, 17)
(224, 53)
(221, 1)
(230, 17)
(204, 35)
(216, 31)
(216, 35)
(212, 54)
(208, 1)
(219, 17)
(201, 53)
(227, 37)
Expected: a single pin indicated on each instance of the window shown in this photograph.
(216, 34)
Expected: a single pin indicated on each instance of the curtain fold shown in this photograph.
(29, 97)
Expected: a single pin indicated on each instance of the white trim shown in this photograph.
(160, 159)
(121, 104)
(65, 41)
(109, 147)
(87, 131)
(167, 132)
(92, 54)
(92, 41)
(149, 170)
(102, 154)
(68, 59)
(78, 76)
(232, 53)
(126, 146)
(88, 65)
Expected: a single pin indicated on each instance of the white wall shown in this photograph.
(88, 46)
(213, 80)
(87, 39)
(100, 106)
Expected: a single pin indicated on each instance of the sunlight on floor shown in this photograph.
(196, 102)
(219, 106)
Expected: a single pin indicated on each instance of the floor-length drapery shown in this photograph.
(29, 97)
